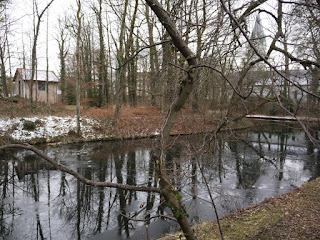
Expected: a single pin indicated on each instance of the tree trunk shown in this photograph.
(103, 80)
(3, 73)
(186, 86)
(62, 55)
(132, 68)
(78, 67)
(154, 62)
(47, 58)
(34, 49)
(121, 75)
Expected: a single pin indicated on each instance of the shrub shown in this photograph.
(273, 110)
(72, 133)
(29, 125)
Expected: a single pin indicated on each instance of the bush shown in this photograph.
(29, 125)
(273, 110)
(72, 133)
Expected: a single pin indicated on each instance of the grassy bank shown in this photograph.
(295, 215)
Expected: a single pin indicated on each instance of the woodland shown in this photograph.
(219, 59)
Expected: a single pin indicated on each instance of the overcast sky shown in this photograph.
(21, 13)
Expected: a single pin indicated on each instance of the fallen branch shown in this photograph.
(77, 175)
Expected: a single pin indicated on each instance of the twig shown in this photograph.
(225, 78)
(136, 54)
(233, 18)
(147, 219)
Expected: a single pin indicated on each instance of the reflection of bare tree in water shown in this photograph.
(248, 170)
(78, 210)
(36, 189)
(84, 198)
(63, 184)
(49, 203)
(313, 159)
(283, 140)
(194, 178)
(102, 173)
(220, 163)
(152, 180)
(4, 173)
(131, 175)
(123, 222)
(92, 210)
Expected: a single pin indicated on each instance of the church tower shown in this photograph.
(258, 36)
(258, 39)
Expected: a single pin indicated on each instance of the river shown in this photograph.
(242, 168)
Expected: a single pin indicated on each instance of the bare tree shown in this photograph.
(131, 69)
(154, 58)
(102, 69)
(218, 63)
(79, 19)
(120, 59)
(34, 46)
(63, 51)
(3, 48)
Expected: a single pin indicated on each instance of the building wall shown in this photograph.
(42, 95)
(38, 95)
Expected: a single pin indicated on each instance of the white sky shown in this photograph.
(21, 13)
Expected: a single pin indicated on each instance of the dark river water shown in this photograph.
(242, 168)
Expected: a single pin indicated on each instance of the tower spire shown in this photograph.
(258, 36)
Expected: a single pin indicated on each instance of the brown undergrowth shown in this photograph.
(147, 121)
(140, 121)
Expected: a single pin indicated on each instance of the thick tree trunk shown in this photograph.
(186, 87)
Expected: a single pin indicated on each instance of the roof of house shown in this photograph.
(39, 75)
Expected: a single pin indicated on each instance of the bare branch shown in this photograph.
(252, 6)
(225, 78)
(140, 50)
(134, 56)
(148, 219)
(264, 59)
(303, 62)
(77, 175)
(304, 4)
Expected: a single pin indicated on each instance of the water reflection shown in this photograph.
(242, 168)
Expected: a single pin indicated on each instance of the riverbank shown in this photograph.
(295, 215)
(56, 124)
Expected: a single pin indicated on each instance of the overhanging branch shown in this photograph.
(77, 175)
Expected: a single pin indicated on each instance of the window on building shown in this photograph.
(41, 86)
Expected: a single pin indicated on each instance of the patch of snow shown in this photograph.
(156, 132)
(48, 128)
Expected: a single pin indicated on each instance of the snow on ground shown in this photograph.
(48, 128)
